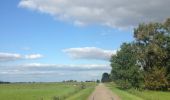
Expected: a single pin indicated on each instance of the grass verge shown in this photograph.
(151, 95)
(133, 94)
(83, 94)
(124, 95)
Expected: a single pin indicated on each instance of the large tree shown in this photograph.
(153, 52)
(145, 60)
(125, 70)
(150, 39)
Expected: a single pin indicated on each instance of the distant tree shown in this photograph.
(105, 77)
(97, 81)
(89, 81)
(2, 82)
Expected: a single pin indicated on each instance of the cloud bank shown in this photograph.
(90, 53)
(52, 72)
(66, 67)
(113, 13)
(5, 57)
(9, 56)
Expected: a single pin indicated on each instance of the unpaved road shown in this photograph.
(103, 93)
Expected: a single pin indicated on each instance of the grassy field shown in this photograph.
(133, 94)
(44, 91)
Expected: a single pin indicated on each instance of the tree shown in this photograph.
(156, 79)
(125, 71)
(150, 39)
(146, 60)
(105, 77)
(153, 42)
(97, 81)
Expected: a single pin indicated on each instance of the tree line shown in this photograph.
(144, 62)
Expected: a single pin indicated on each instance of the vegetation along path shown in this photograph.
(103, 93)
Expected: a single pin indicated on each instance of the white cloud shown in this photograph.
(40, 67)
(33, 56)
(5, 56)
(114, 13)
(9, 57)
(52, 72)
(90, 53)
(66, 67)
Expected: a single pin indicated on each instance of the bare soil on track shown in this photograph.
(101, 92)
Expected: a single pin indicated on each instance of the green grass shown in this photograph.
(133, 94)
(151, 95)
(37, 91)
(82, 95)
(123, 94)
(85, 93)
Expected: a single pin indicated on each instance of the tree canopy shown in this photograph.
(145, 62)
(105, 77)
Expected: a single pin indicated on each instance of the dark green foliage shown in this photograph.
(156, 79)
(153, 42)
(125, 71)
(145, 61)
(105, 77)
(97, 81)
(2, 82)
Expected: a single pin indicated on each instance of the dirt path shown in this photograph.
(103, 93)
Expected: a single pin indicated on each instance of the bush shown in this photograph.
(56, 98)
(83, 86)
(124, 84)
(156, 79)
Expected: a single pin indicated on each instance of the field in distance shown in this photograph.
(46, 91)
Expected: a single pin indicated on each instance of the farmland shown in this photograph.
(45, 91)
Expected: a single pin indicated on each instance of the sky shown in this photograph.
(55, 40)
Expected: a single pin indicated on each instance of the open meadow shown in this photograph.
(45, 91)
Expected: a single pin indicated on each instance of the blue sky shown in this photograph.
(46, 41)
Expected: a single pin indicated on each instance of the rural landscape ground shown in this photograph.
(75, 91)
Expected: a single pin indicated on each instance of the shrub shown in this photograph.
(156, 79)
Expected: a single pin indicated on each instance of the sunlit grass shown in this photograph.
(133, 94)
(37, 91)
